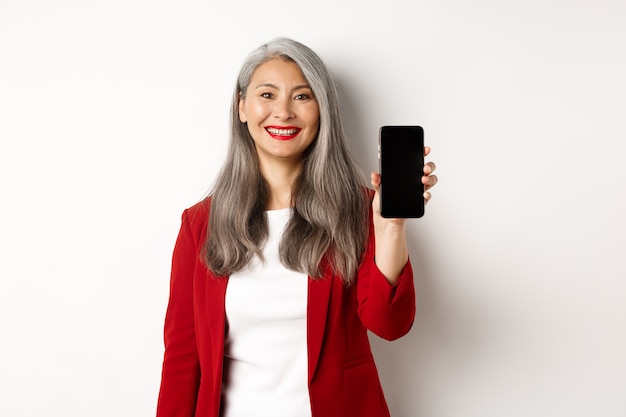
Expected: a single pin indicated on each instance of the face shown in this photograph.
(281, 112)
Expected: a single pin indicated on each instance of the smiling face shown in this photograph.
(281, 112)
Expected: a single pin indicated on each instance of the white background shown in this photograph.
(114, 118)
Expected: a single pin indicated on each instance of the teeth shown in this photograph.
(282, 132)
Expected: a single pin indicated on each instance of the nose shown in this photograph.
(283, 109)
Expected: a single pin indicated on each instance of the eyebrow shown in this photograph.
(298, 87)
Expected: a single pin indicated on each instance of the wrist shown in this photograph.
(390, 227)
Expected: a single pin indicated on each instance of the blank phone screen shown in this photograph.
(401, 167)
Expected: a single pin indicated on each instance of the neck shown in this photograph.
(280, 178)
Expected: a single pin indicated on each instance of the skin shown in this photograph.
(392, 252)
(279, 96)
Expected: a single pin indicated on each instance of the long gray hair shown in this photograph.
(330, 214)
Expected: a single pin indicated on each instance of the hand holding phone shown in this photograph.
(401, 159)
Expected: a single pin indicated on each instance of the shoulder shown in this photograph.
(196, 217)
(199, 210)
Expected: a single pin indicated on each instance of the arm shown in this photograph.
(385, 288)
(390, 234)
(385, 309)
(181, 371)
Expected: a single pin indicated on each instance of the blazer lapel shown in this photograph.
(317, 311)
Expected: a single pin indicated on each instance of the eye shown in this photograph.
(266, 95)
(302, 96)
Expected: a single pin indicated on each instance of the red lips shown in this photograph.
(283, 132)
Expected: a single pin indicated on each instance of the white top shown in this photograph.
(265, 355)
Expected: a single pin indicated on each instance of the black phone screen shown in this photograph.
(401, 158)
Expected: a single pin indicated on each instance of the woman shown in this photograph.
(274, 283)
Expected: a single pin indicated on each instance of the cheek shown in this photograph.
(315, 116)
(311, 115)
(257, 112)
(252, 109)
(316, 122)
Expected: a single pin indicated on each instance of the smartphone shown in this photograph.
(401, 160)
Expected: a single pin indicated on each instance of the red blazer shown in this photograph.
(343, 380)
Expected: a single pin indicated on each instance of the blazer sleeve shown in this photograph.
(180, 377)
(387, 310)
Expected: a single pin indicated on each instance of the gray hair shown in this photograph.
(330, 196)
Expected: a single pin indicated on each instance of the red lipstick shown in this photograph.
(283, 132)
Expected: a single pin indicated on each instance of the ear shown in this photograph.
(242, 109)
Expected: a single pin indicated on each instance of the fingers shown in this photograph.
(429, 181)
(429, 168)
(375, 180)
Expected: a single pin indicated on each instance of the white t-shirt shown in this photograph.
(265, 355)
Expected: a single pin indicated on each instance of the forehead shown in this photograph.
(278, 71)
